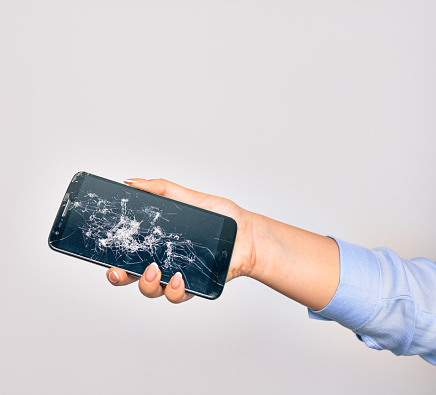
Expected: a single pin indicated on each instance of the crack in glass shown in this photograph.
(130, 234)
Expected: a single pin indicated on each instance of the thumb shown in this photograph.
(171, 190)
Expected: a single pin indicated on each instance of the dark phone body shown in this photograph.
(113, 224)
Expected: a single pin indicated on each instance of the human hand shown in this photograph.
(243, 257)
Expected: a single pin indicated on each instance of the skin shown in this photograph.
(299, 264)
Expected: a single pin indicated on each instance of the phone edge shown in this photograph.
(226, 218)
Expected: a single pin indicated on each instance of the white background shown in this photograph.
(320, 114)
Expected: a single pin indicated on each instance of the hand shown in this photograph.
(299, 264)
(243, 257)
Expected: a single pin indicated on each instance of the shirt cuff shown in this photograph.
(359, 288)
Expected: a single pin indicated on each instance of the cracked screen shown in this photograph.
(121, 226)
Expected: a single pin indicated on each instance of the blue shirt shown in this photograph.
(387, 301)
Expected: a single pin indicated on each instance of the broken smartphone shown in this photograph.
(113, 224)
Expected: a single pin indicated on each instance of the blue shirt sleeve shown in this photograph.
(387, 301)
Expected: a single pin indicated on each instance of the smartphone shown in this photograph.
(113, 224)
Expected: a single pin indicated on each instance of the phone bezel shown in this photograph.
(222, 256)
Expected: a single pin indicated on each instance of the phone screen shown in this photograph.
(118, 225)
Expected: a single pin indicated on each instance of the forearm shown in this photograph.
(299, 264)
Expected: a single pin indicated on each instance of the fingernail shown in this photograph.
(176, 281)
(129, 181)
(151, 272)
(113, 277)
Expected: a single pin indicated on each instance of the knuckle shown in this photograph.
(230, 203)
(161, 186)
(174, 301)
(147, 290)
(173, 297)
(142, 288)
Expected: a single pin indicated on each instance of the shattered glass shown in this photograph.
(121, 227)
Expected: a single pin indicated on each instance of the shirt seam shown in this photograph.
(370, 339)
(398, 297)
(379, 294)
(427, 312)
(413, 332)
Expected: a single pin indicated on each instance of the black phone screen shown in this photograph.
(125, 227)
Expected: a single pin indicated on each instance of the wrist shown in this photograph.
(299, 264)
(265, 247)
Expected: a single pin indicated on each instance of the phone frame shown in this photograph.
(222, 257)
